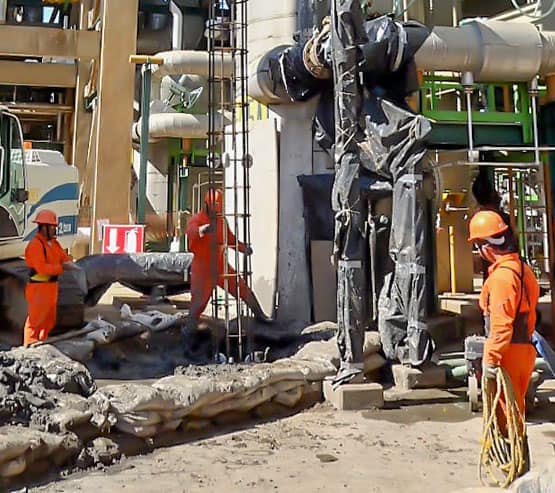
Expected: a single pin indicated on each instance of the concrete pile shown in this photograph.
(53, 415)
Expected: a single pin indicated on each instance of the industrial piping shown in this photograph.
(491, 50)
(180, 125)
(176, 125)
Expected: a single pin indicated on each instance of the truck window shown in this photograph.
(17, 164)
(12, 174)
(16, 146)
(4, 165)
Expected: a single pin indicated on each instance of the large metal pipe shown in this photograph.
(186, 62)
(191, 62)
(272, 26)
(176, 125)
(493, 51)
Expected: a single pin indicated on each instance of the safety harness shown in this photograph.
(520, 323)
(36, 278)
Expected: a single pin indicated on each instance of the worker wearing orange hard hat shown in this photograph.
(205, 236)
(508, 301)
(46, 260)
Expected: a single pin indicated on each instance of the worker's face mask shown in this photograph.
(483, 251)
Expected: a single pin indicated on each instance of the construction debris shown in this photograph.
(51, 409)
(153, 320)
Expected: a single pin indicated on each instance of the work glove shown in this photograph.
(248, 251)
(490, 372)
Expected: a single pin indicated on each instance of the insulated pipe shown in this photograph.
(261, 86)
(185, 62)
(191, 62)
(177, 26)
(176, 125)
(490, 50)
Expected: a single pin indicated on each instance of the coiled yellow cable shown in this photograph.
(504, 450)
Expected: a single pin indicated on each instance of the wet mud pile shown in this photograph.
(56, 413)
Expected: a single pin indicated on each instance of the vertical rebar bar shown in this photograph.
(227, 96)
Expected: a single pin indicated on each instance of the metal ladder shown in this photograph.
(228, 145)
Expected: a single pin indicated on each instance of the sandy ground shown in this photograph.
(404, 450)
(410, 450)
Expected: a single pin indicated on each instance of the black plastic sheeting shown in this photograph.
(140, 272)
(387, 65)
(395, 148)
(320, 226)
(350, 211)
(389, 70)
(367, 125)
(299, 83)
(318, 213)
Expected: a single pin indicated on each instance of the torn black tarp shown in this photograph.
(385, 59)
(141, 272)
(318, 214)
(388, 68)
(319, 220)
(371, 131)
(299, 83)
(350, 211)
(394, 148)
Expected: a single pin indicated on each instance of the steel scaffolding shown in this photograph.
(229, 162)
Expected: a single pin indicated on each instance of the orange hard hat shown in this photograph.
(485, 225)
(214, 199)
(46, 216)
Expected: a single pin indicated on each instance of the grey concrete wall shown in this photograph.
(295, 160)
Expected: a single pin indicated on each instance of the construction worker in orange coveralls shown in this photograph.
(46, 261)
(508, 301)
(205, 235)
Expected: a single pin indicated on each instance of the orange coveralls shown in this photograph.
(207, 270)
(45, 262)
(509, 299)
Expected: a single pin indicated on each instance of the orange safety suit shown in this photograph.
(44, 259)
(508, 300)
(207, 269)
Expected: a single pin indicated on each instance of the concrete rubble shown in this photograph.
(52, 413)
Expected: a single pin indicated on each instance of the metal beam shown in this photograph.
(48, 42)
(37, 74)
(38, 109)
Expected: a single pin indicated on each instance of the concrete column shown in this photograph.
(295, 159)
(112, 177)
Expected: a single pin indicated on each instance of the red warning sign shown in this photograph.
(123, 238)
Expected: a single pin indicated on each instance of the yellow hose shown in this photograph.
(502, 453)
